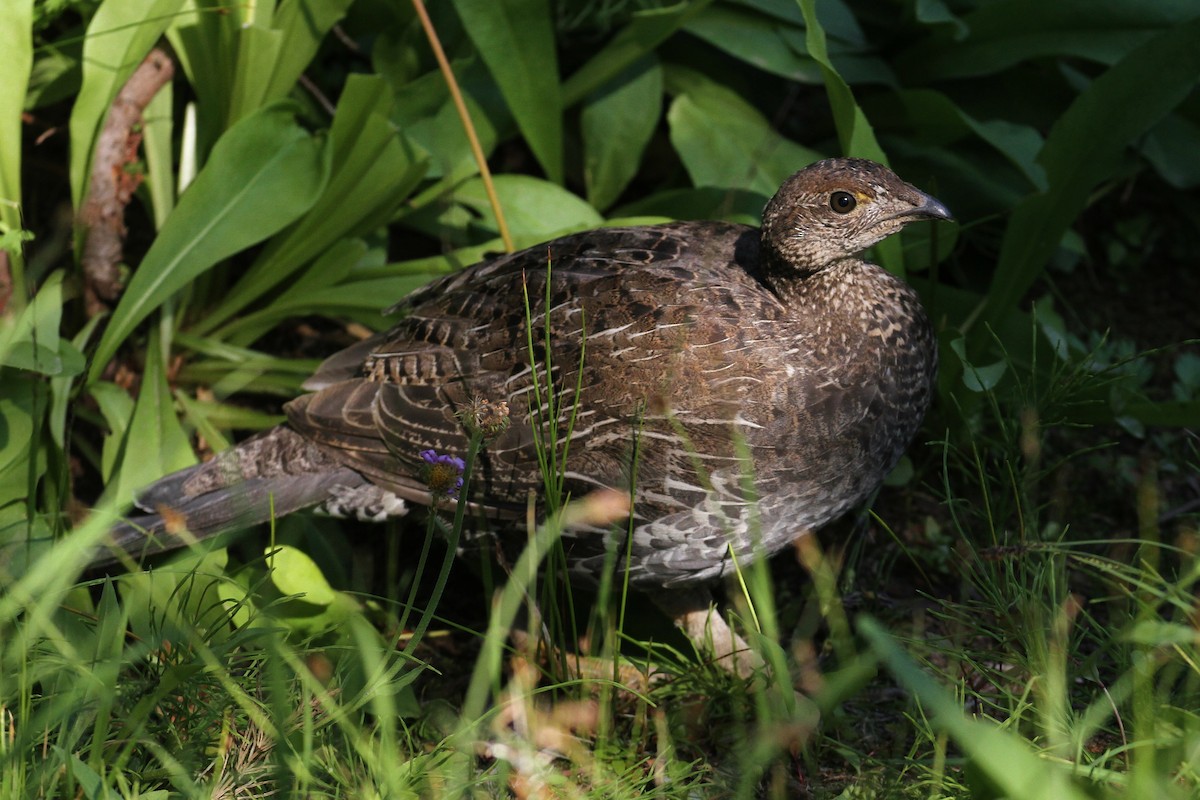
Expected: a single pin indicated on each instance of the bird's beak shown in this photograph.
(929, 208)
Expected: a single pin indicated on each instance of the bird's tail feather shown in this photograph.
(267, 476)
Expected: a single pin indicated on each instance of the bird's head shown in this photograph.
(836, 208)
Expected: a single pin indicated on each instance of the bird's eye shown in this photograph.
(842, 202)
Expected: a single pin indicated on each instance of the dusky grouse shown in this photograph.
(690, 344)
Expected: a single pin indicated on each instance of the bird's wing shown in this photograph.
(606, 333)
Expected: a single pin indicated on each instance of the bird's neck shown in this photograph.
(806, 287)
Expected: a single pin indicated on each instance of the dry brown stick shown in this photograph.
(465, 117)
(112, 184)
(6, 282)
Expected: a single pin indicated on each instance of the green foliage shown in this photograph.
(284, 169)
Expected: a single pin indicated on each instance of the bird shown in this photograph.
(744, 386)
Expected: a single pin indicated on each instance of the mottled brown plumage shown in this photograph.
(692, 337)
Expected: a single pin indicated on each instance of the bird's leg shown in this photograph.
(695, 614)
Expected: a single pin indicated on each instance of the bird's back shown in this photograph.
(676, 371)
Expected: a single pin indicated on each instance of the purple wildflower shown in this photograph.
(443, 473)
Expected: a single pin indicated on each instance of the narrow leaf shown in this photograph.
(119, 36)
(1083, 149)
(258, 50)
(155, 443)
(303, 25)
(516, 40)
(854, 131)
(617, 123)
(372, 170)
(158, 135)
(263, 174)
(642, 35)
(1009, 32)
(16, 62)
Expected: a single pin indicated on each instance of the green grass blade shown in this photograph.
(1004, 758)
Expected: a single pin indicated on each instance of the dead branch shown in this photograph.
(113, 183)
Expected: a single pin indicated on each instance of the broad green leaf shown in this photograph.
(617, 124)
(1021, 144)
(116, 406)
(732, 205)
(515, 38)
(56, 72)
(1159, 633)
(642, 35)
(155, 443)
(32, 342)
(936, 12)
(372, 171)
(786, 10)
(294, 573)
(725, 142)
(535, 209)
(16, 63)
(755, 39)
(1083, 149)
(89, 781)
(119, 36)
(303, 24)
(426, 114)
(978, 378)
(263, 174)
(1171, 148)
(1009, 32)
(854, 131)
(1003, 756)
(839, 24)
(20, 462)
(855, 134)
(942, 121)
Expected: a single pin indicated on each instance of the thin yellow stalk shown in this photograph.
(468, 126)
